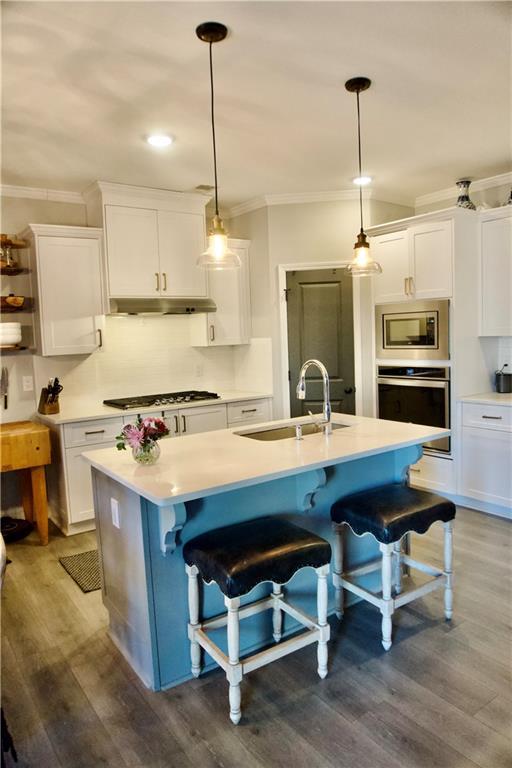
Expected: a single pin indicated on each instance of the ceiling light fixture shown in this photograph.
(159, 140)
(362, 263)
(362, 181)
(217, 255)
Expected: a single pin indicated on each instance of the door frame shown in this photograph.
(282, 269)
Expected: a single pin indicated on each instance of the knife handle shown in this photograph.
(5, 401)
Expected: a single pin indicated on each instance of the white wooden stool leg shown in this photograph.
(277, 614)
(387, 603)
(322, 652)
(338, 569)
(397, 549)
(193, 608)
(234, 673)
(406, 548)
(448, 569)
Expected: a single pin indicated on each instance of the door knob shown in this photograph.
(348, 390)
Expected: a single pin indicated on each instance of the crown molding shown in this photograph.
(38, 193)
(295, 198)
(452, 192)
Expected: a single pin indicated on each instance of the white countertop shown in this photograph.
(82, 409)
(200, 465)
(489, 398)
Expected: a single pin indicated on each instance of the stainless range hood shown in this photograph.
(161, 306)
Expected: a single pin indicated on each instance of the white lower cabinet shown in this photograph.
(486, 466)
(433, 473)
(69, 476)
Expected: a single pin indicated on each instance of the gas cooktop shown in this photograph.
(167, 398)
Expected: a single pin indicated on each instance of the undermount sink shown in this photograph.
(286, 431)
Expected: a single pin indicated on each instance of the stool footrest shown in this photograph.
(243, 612)
(419, 566)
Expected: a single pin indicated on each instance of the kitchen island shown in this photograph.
(145, 515)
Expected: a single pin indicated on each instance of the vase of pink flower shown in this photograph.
(142, 437)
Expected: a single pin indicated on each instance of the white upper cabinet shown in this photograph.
(391, 251)
(496, 273)
(153, 239)
(181, 239)
(229, 289)
(431, 256)
(133, 267)
(417, 262)
(66, 271)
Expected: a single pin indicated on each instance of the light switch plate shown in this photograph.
(28, 383)
(114, 508)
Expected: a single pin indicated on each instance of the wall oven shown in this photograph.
(420, 395)
(412, 330)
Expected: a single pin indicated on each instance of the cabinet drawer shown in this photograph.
(432, 473)
(248, 411)
(487, 416)
(88, 432)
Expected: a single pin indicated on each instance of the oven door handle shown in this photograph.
(431, 383)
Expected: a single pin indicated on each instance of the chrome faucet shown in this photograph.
(301, 392)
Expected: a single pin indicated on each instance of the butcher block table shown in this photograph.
(25, 446)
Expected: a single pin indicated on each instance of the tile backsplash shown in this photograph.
(141, 355)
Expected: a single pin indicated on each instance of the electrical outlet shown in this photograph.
(114, 508)
(199, 371)
(28, 383)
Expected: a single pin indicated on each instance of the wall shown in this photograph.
(305, 233)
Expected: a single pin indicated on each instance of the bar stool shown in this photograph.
(388, 514)
(238, 558)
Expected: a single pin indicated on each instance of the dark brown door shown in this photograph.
(320, 325)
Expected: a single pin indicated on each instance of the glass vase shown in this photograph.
(146, 454)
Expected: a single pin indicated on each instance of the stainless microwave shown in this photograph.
(413, 330)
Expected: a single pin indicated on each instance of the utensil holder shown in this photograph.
(44, 406)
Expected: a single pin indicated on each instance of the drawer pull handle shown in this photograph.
(212, 333)
(249, 410)
(100, 341)
(176, 424)
(184, 423)
(95, 432)
(495, 418)
(164, 275)
(157, 282)
(414, 470)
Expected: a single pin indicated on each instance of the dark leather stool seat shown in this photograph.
(391, 511)
(238, 557)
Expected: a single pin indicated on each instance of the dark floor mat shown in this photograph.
(84, 568)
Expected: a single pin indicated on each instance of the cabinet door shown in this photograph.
(229, 289)
(70, 306)
(181, 239)
(431, 260)
(486, 463)
(496, 278)
(392, 253)
(132, 251)
(202, 419)
(78, 475)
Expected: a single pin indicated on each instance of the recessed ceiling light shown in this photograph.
(159, 140)
(362, 181)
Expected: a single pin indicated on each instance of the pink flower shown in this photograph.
(134, 436)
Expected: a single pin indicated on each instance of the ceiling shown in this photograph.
(85, 82)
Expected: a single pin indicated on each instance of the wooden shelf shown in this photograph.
(11, 348)
(13, 271)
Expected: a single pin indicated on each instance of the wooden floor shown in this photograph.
(440, 698)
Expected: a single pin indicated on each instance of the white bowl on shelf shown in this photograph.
(10, 333)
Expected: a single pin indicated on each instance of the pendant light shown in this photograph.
(217, 255)
(362, 263)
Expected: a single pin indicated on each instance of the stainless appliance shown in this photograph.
(420, 395)
(412, 330)
(167, 398)
(503, 380)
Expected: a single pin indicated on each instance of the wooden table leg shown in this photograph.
(26, 494)
(40, 502)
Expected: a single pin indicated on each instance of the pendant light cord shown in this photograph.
(213, 133)
(360, 164)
